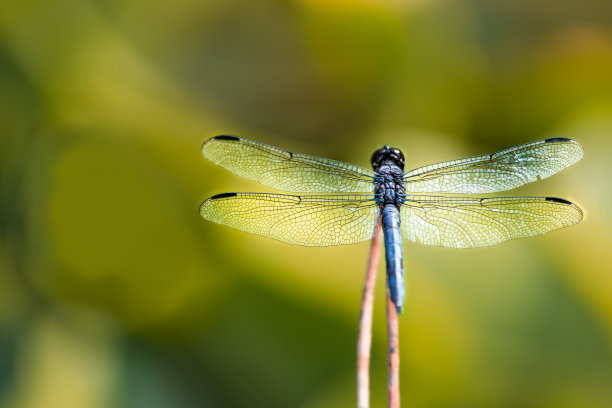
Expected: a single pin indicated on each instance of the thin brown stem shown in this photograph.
(364, 341)
(393, 344)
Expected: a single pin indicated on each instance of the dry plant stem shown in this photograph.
(393, 340)
(364, 341)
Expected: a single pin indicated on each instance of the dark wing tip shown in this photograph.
(220, 137)
(557, 140)
(223, 195)
(204, 207)
(578, 211)
(558, 200)
(575, 154)
(226, 137)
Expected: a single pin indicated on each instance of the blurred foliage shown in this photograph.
(115, 293)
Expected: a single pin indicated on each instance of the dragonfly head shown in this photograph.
(387, 154)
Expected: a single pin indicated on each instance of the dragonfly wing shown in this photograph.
(283, 170)
(499, 171)
(463, 222)
(310, 220)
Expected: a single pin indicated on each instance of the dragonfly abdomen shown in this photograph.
(394, 254)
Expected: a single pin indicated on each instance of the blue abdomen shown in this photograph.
(394, 254)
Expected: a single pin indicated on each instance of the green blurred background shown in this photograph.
(114, 292)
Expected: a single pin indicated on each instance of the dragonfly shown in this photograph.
(337, 203)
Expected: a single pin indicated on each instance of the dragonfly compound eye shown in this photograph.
(387, 154)
(377, 157)
(398, 157)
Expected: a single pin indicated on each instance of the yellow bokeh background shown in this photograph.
(114, 292)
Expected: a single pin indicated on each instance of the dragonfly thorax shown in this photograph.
(389, 186)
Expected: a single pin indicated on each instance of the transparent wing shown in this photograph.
(310, 220)
(461, 222)
(499, 171)
(284, 170)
